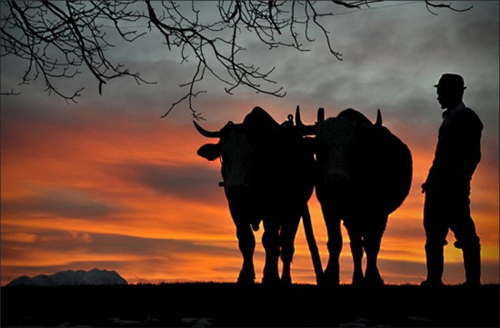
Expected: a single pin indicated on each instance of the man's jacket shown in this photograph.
(457, 153)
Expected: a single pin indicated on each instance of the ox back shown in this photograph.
(381, 169)
(361, 167)
(267, 170)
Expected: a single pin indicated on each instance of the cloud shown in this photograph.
(117, 245)
(65, 203)
(130, 256)
(161, 213)
(189, 182)
(19, 237)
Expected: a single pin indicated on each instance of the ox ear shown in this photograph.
(209, 151)
(378, 123)
(321, 115)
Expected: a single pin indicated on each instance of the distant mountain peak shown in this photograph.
(71, 278)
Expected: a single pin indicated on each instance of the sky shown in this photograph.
(106, 183)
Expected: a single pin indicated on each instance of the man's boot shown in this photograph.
(435, 265)
(472, 264)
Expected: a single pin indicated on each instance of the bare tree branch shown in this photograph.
(10, 93)
(59, 40)
(430, 5)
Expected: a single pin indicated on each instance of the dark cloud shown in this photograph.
(392, 57)
(151, 255)
(63, 203)
(186, 182)
(121, 245)
(402, 268)
(174, 248)
(478, 31)
(100, 244)
(410, 230)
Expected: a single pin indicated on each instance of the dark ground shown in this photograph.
(224, 304)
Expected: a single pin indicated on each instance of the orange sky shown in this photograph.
(105, 183)
(142, 203)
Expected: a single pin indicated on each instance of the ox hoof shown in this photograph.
(286, 281)
(358, 281)
(329, 282)
(373, 278)
(374, 282)
(271, 281)
(246, 279)
(245, 282)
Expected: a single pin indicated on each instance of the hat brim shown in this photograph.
(437, 85)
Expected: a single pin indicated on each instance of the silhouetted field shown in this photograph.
(225, 304)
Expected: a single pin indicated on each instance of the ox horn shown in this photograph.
(205, 133)
(378, 123)
(321, 114)
(304, 129)
(298, 121)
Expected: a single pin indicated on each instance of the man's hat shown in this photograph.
(451, 81)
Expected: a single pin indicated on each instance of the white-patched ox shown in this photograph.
(363, 174)
(267, 174)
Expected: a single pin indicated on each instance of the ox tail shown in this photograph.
(311, 242)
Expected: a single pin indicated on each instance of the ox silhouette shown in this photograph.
(267, 176)
(363, 174)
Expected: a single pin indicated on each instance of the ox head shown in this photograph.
(236, 149)
(236, 154)
(333, 137)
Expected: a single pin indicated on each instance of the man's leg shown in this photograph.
(436, 229)
(468, 241)
(472, 264)
(435, 263)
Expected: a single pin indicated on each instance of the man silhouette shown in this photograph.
(447, 186)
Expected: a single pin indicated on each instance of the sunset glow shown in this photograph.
(108, 184)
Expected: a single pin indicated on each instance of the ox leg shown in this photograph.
(271, 243)
(246, 243)
(356, 243)
(373, 237)
(333, 227)
(287, 238)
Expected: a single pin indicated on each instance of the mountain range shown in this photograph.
(71, 278)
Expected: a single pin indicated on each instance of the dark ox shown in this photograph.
(267, 173)
(363, 173)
